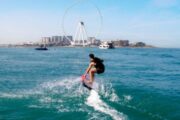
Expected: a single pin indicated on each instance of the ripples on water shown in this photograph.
(138, 84)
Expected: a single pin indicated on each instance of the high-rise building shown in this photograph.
(93, 41)
(121, 43)
(56, 39)
(45, 40)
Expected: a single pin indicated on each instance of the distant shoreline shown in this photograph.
(35, 46)
(67, 44)
(2, 46)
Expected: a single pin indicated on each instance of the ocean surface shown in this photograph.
(138, 84)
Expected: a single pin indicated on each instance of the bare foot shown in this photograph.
(83, 78)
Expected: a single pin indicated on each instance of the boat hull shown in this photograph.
(41, 49)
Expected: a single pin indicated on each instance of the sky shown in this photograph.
(155, 22)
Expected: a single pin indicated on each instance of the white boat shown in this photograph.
(106, 45)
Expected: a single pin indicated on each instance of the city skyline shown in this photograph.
(154, 22)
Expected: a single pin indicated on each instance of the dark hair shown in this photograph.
(98, 60)
(99, 63)
(91, 56)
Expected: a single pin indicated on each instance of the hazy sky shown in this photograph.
(155, 22)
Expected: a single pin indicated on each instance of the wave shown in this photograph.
(58, 94)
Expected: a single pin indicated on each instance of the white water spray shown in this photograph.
(94, 101)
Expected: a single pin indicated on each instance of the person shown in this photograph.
(95, 66)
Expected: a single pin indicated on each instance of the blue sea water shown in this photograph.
(138, 84)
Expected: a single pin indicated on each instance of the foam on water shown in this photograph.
(10, 95)
(56, 93)
(127, 98)
(94, 101)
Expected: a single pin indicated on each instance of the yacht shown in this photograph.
(106, 45)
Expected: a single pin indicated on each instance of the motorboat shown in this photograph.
(42, 47)
(106, 45)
